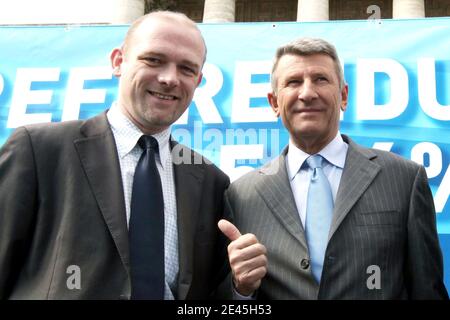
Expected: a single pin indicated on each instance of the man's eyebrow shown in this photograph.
(162, 55)
(190, 64)
(320, 73)
(290, 75)
(151, 53)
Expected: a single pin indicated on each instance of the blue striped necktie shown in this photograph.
(319, 212)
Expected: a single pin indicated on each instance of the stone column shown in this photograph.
(219, 11)
(313, 10)
(126, 11)
(405, 9)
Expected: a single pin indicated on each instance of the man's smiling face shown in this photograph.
(159, 70)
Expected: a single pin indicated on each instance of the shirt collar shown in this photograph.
(334, 152)
(127, 134)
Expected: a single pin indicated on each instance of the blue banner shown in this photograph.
(398, 73)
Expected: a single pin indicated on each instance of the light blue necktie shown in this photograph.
(319, 211)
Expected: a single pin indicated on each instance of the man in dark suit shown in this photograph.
(339, 221)
(66, 189)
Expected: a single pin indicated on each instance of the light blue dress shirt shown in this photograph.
(299, 175)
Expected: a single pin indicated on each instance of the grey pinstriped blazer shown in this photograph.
(384, 216)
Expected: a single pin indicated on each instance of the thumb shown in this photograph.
(229, 229)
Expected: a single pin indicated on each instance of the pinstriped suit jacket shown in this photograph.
(383, 216)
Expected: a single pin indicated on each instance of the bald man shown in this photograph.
(66, 189)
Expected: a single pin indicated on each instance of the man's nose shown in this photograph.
(168, 76)
(307, 91)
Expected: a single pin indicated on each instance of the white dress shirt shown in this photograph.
(126, 135)
(299, 175)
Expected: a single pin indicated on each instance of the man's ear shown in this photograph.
(273, 103)
(116, 58)
(344, 97)
(200, 77)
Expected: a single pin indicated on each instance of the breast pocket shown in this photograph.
(378, 218)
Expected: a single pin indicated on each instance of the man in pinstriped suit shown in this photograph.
(382, 242)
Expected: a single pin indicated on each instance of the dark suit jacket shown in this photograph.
(62, 204)
(383, 216)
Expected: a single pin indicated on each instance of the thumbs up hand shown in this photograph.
(247, 258)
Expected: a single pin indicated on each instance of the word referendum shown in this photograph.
(75, 94)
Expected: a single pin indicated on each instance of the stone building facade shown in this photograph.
(13, 12)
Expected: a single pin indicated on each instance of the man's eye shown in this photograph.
(322, 79)
(293, 82)
(188, 70)
(153, 60)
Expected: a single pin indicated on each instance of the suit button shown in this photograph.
(304, 264)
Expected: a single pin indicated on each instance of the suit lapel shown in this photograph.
(358, 174)
(276, 191)
(188, 187)
(98, 156)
